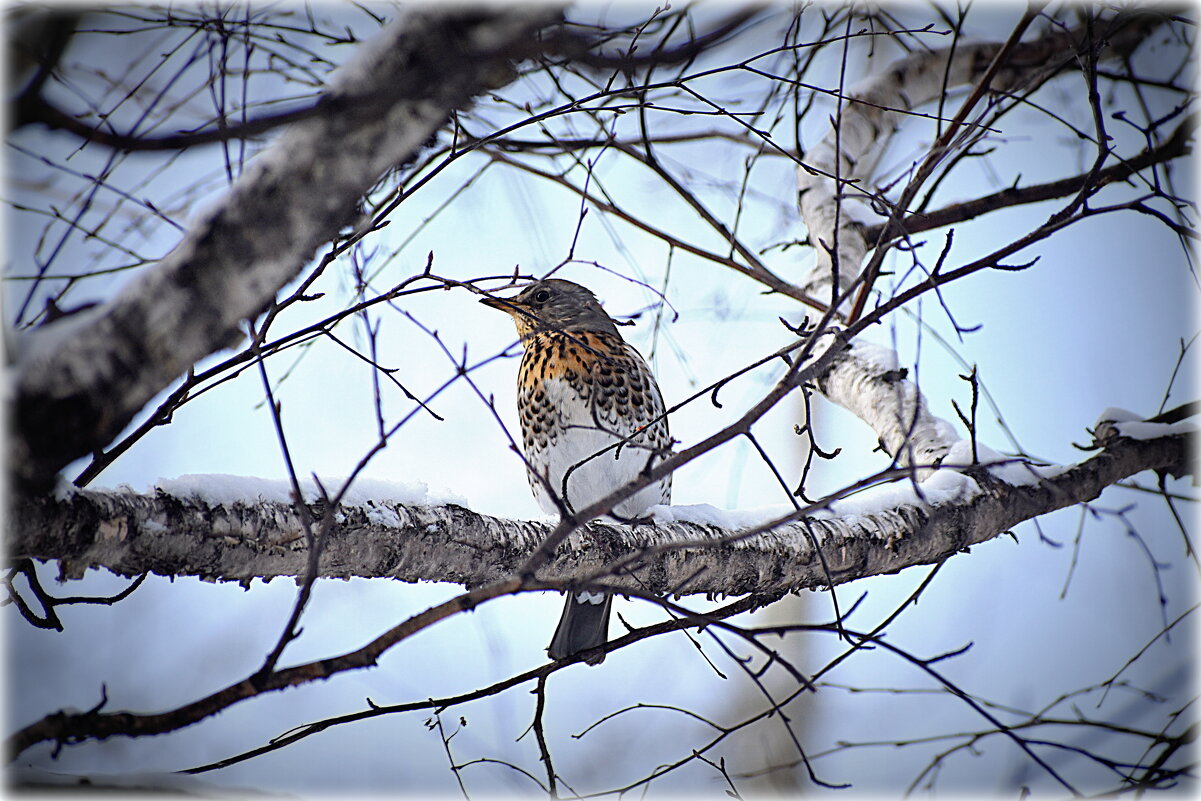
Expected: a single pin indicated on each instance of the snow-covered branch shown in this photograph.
(187, 534)
(837, 203)
(78, 382)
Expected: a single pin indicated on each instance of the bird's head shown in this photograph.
(554, 305)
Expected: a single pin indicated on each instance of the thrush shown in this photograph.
(591, 420)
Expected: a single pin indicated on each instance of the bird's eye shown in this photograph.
(541, 296)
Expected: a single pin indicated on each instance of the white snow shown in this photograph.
(731, 520)
(1129, 424)
(1140, 429)
(945, 485)
(1114, 414)
(63, 489)
(1013, 470)
(154, 527)
(219, 488)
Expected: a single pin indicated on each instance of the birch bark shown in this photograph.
(130, 533)
(837, 202)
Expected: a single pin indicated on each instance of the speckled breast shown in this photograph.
(588, 404)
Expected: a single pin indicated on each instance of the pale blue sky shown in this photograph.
(1095, 323)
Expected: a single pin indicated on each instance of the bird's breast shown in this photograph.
(589, 410)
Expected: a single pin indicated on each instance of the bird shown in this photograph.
(592, 419)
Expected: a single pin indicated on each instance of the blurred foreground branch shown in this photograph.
(80, 382)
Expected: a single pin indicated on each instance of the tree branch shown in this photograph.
(871, 115)
(126, 531)
(1177, 145)
(131, 533)
(866, 380)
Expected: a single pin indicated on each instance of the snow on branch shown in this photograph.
(217, 538)
(78, 382)
(837, 203)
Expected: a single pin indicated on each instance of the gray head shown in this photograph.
(555, 305)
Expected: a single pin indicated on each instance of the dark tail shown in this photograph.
(584, 625)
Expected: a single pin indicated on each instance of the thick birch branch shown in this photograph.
(80, 381)
(866, 380)
(130, 533)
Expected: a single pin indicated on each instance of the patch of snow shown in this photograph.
(1115, 414)
(944, 486)
(941, 487)
(154, 527)
(1129, 424)
(219, 488)
(414, 493)
(63, 489)
(961, 453)
(378, 514)
(1140, 429)
(223, 489)
(948, 486)
(942, 430)
(1013, 470)
(730, 520)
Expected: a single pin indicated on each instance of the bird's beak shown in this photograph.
(504, 304)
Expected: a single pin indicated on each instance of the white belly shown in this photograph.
(581, 461)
